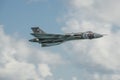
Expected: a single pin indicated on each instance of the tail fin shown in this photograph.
(37, 30)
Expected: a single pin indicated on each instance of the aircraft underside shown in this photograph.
(51, 42)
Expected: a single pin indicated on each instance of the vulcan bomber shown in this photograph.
(46, 39)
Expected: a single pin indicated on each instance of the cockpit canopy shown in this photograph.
(90, 32)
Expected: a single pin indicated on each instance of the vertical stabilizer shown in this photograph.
(37, 30)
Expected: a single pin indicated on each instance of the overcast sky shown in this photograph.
(75, 60)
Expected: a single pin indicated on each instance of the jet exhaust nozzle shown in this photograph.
(34, 40)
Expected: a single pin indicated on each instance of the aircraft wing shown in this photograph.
(50, 44)
(47, 35)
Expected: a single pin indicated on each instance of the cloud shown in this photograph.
(20, 61)
(81, 3)
(44, 70)
(100, 56)
(18, 70)
(107, 77)
(108, 10)
(74, 78)
(104, 10)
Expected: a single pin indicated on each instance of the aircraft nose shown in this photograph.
(98, 35)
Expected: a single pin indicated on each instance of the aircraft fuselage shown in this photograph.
(55, 39)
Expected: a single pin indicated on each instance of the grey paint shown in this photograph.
(54, 39)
